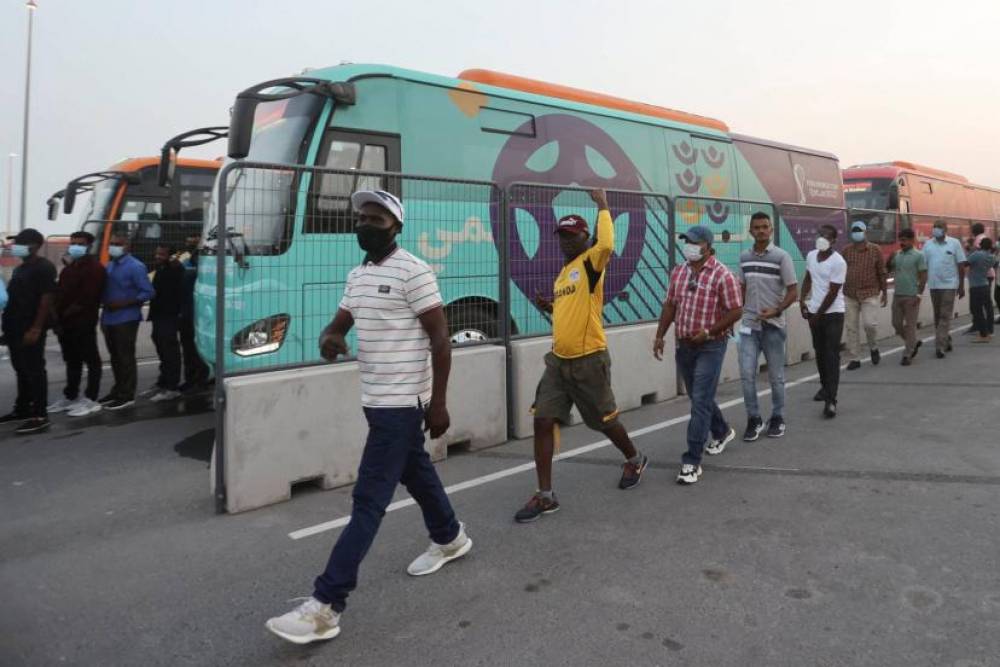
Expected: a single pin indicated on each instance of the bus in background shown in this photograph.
(918, 196)
(491, 128)
(137, 194)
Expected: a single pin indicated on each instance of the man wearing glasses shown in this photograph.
(704, 300)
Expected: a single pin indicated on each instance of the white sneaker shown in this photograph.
(437, 555)
(85, 407)
(152, 391)
(62, 405)
(165, 395)
(716, 447)
(311, 621)
(689, 474)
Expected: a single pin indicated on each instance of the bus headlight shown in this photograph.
(263, 336)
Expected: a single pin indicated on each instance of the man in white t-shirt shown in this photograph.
(822, 304)
(404, 358)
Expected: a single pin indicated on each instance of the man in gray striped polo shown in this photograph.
(767, 275)
(404, 357)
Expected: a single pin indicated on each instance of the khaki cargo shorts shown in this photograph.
(584, 382)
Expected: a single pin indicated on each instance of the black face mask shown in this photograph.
(374, 240)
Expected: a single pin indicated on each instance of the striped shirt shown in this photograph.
(385, 300)
(767, 276)
(702, 298)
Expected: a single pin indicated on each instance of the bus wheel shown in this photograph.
(471, 323)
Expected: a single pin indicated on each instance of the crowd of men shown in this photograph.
(84, 296)
(393, 300)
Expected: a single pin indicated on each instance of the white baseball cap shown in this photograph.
(386, 200)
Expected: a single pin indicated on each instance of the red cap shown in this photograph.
(572, 223)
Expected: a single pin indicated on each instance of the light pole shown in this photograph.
(32, 6)
(10, 192)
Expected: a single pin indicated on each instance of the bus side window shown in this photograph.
(330, 201)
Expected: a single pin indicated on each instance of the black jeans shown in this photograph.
(827, 330)
(168, 349)
(996, 294)
(120, 339)
(32, 380)
(195, 370)
(79, 347)
(982, 310)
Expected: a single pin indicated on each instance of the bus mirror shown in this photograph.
(69, 198)
(168, 163)
(53, 204)
(241, 127)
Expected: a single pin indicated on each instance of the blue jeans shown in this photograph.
(771, 341)
(394, 453)
(700, 368)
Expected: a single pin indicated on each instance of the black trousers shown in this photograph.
(827, 331)
(996, 294)
(168, 349)
(120, 339)
(32, 380)
(982, 310)
(195, 370)
(79, 348)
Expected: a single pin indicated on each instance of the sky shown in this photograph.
(870, 81)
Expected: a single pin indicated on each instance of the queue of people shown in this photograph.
(86, 295)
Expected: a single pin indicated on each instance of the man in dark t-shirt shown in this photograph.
(25, 320)
(164, 313)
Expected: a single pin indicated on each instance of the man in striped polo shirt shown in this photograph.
(578, 369)
(404, 357)
(703, 298)
(767, 276)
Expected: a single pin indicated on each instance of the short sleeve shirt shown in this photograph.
(702, 298)
(766, 275)
(943, 259)
(30, 282)
(832, 270)
(385, 300)
(981, 263)
(906, 268)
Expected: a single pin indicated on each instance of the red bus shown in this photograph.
(918, 196)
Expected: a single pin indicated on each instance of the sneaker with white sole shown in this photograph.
(689, 474)
(716, 447)
(149, 393)
(165, 395)
(119, 404)
(437, 555)
(84, 408)
(311, 621)
(62, 405)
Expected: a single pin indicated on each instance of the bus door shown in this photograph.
(325, 247)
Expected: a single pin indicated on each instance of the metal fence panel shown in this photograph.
(729, 220)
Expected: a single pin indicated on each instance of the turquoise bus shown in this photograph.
(494, 148)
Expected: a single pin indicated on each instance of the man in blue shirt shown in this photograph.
(126, 289)
(945, 277)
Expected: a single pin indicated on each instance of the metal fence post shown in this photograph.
(505, 310)
(671, 233)
(221, 238)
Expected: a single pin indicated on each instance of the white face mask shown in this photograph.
(692, 252)
(115, 251)
(822, 244)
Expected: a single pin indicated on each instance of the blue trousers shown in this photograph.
(394, 453)
(770, 340)
(700, 367)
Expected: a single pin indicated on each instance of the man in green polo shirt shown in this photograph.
(909, 267)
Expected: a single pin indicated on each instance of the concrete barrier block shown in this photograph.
(636, 378)
(925, 317)
(798, 341)
(477, 398)
(731, 362)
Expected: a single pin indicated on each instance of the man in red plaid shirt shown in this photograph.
(704, 300)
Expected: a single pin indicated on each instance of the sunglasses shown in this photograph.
(692, 282)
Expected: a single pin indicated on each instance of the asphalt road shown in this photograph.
(871, 539)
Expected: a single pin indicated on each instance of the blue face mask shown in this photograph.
(76, 251)
(857, 237)
(115, 251)
(938, 233)
(19, 250)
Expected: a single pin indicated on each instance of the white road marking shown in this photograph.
(584, 449)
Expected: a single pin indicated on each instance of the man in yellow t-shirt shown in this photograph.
(578, 369)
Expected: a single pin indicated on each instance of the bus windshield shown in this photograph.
(868, 193)
(99, 205)
(259, 203)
